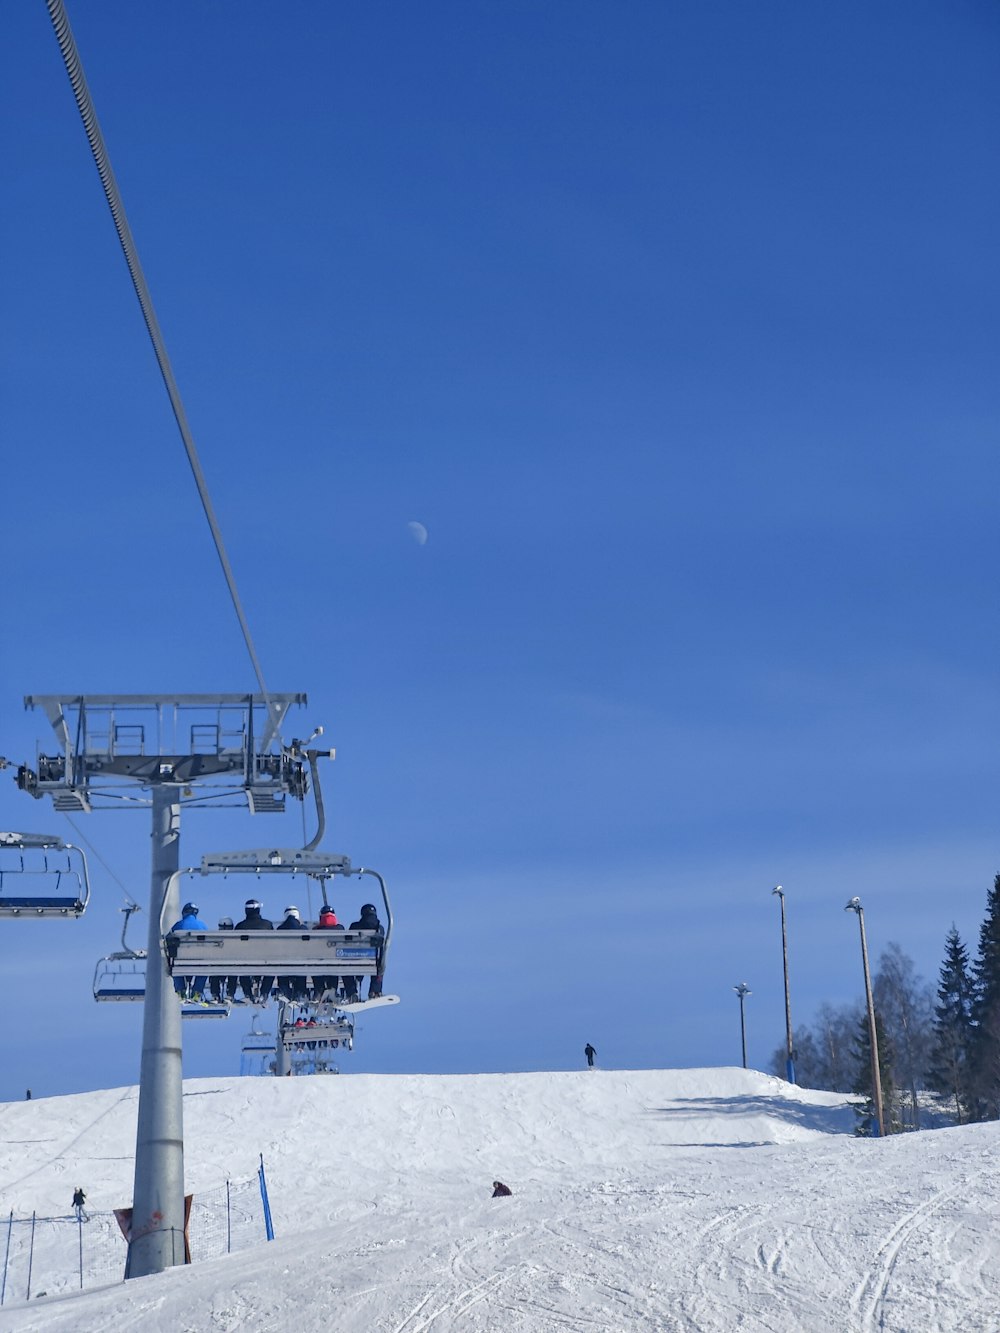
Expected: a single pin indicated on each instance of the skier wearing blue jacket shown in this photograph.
(190, 920)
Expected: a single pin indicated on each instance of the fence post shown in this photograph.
(79, 1224)
(31, 1255)
(10, 1228)
(268, 1228)
(229, 1222)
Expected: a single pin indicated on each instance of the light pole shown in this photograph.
(743, 990)
(855, 906)
(790, 1053)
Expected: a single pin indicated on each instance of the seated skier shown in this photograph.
(190, 986)
(223, 988)
(253, 987)
(292, 988)
(368, 920)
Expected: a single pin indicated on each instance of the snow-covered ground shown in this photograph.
(702, 1199)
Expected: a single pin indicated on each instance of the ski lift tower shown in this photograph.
(177, 750)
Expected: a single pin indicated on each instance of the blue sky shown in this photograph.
(676, 325)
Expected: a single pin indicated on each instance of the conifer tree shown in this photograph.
(986, 1011)
(863, 1086)
(949, 1070)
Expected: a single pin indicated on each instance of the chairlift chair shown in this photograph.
(35, 871)
(305, 1063)
(257, 1054)
(122, 976)
(332, 1034)
(289, 953)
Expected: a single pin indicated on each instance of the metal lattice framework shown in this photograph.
(228, 744)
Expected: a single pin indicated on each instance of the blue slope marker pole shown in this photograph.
(268, 1227)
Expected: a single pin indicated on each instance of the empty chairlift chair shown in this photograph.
(42, 876)
(257, 1055)
(121, 976)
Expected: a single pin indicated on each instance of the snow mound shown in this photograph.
(657, 1199)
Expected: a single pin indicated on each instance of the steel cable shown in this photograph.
(85, 105)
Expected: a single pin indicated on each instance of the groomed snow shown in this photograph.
(704, 1199)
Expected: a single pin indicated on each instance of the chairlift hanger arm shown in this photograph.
(366, 870)
(313, 756)
(129, 910)
(177, 875)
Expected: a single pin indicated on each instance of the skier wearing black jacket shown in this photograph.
(368, 920)
(253, 987)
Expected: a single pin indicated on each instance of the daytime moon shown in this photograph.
(418, 532)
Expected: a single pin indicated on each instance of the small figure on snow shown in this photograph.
(589, 1052)
(79, 1199)
(500, 1189)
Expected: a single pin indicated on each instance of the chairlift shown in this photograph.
(324, 1034)
(318, 957)
(36, 869)
(305, 1063)
(257, 1054)
(121, 976)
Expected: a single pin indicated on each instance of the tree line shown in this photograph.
(946, 1041)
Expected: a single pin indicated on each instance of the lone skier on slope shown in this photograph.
(79, 1199)
(589, 1052)
(500, 1189)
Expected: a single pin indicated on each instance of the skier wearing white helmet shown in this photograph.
(292, 988)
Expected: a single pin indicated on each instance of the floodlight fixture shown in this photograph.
(743, 990)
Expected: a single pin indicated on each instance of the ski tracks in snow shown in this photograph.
(454, 1306)
(500, 1272)
(56, 1163)
(868, 1302)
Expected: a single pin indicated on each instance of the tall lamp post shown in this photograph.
(855, 906)
(790, 1053)
(743, 990)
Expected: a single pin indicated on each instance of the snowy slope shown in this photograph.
(692, 1199)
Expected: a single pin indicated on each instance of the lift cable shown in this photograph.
(97, 855)
(85, 105)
